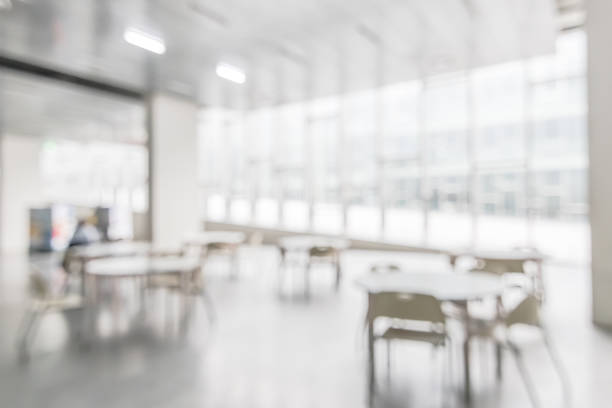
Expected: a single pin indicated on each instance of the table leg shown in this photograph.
(115, 305)
(499, 360)
(185, 303)
(539, 282)
(234, 263)
(371, 370)
(82, 278)
(307, 280)
(90, 301)
(338, 269)
(466, 370)
(281, 270)
(142, 283)
(467, 387)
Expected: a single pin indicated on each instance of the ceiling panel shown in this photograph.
(283, 45)
(31, 106)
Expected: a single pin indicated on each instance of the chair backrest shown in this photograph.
(384, 268)
(499, 266)
(322, 251)
(217, 246)
(39, 285)
(396, 305)
(526, 312)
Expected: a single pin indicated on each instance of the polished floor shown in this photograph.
(265, 350)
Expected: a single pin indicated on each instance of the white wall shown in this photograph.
(173, 169)
(599, 33)
(21, 190)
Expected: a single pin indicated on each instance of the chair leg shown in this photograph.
(498, 360)
(338, 272)
(450, 357)
(516, 352)
(449, 371)
(234, 264)
(282, 270)
(443, 375)
(307, 280)
(554, 357)
(23, 332)
(371, 379)
(30, 334)
(208, 303)
(168, 306)
(389, 363)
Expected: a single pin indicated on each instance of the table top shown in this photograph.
(306, 242)
(444, 284)
(218, 237)
(111, 249)
(502, 255)
(141, 265)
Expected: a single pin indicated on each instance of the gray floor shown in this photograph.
(268, 351)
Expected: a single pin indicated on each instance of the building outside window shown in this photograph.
(494, 157)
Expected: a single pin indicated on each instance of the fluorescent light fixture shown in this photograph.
(231, 73)
(144, 40)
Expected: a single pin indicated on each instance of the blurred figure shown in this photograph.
(85, 233)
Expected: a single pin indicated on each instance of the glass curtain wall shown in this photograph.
(495, 157)
(95, 174)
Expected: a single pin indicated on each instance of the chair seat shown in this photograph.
(59, 303)
(414, 335)
(173, 283)
(164, 281)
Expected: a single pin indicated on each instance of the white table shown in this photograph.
(137, 267)
(141, 266)
(86, 253)
(498, 255)
(83, 254)
(218, 237)
(313, 247)
(306, 242)
(445, 286)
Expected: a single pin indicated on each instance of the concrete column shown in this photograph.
(599, 32)
(173, 195)
(20, 190)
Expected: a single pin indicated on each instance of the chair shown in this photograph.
(513, 268)
(485, 316)
(195, 287)
(384, 268)
(44, 300)
(224, 249)
(405, 311)
(328, 254)
(527, 313)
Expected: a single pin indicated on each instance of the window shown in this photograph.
(494, 157)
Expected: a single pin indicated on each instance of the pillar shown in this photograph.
(173, 177)
(599, 78)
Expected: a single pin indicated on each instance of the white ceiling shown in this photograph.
(290, 49)
(31, 106)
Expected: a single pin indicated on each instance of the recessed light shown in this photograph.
(144, 40)
(231, 73)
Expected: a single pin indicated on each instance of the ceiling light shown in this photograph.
(231, 73)
(144, 40)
